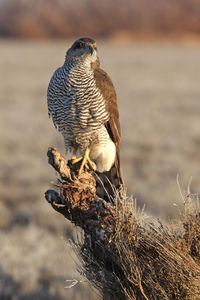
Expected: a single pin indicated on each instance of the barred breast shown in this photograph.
(77, 106)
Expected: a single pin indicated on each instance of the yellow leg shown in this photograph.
(74, 158)
(74, 154)
(74, 161)
(86, 160)
(92, 164)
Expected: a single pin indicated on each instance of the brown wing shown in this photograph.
(104, 83)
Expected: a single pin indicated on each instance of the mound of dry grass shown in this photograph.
(125, 255)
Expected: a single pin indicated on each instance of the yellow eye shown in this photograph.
(82, 45)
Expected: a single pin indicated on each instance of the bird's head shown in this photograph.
(84, 48)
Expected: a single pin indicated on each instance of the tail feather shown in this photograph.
(109, 182)
(117, 165)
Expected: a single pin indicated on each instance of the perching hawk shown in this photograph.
(82, 103)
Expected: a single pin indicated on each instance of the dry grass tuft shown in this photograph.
(125, 255)
(145, 260)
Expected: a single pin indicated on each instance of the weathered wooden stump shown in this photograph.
(123, 257)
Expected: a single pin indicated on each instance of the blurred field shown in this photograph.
(158, 96)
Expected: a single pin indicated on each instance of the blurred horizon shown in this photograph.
(128, 19)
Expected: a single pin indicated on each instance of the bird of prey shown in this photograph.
(82, 103)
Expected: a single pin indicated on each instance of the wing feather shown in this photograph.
(105, 85)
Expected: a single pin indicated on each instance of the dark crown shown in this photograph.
(86, 40)
(78, 43)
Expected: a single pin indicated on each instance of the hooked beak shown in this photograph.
(92, 47)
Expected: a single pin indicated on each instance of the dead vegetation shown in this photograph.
(124, 255)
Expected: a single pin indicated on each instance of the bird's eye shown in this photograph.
(82, 45)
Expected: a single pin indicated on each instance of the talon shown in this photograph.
(74, 154)
(92, 164)
(86, 160)
(83, 163)
(75, 160)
